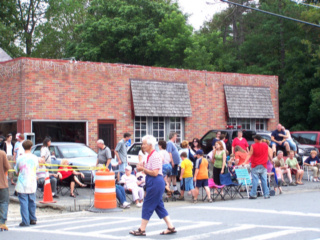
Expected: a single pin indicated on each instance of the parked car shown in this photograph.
(78, 154)
(133, 153)
(302, 150)
(307, 138)
(206, 140)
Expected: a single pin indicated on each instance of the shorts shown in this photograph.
(202, 183)
(293, 171)
(166, 170)
(187, 184)
(279, 183)
(174, 171)
(122, 167)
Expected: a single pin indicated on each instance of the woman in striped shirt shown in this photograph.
(155, 186)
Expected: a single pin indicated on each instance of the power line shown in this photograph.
(274, 14)
(302, 3)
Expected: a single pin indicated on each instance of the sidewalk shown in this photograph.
(85, 198)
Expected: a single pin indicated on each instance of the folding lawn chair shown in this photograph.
(244, 179)
(231, 188)
(217, 188)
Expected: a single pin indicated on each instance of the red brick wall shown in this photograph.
(57, 89)
(11, 89)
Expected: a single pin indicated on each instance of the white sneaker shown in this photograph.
(126, 205)
(139, 205)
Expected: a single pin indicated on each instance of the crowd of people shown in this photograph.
(157, 171)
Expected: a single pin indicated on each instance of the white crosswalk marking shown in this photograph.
(250, 210)
(64, 222)
(100, 224)
(272, 235)
(224, 231)
(188, 227)
(117, 228)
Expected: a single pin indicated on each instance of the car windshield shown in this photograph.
(76, 151)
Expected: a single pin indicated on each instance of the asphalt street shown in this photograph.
(287, 216)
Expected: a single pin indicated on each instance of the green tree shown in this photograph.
(128, 31)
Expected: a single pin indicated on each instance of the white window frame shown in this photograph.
(245, 121)
(180, 135)
(158, 122)
(166, 128)
(139, 139)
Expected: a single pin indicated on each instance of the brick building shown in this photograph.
(84, 101)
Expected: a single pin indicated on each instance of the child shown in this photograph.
(279, 177)
(130, 183)
(231, 170)
(313, 164)
(201, 176)
(186, 177)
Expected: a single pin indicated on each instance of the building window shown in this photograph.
(159, 127)
(175, 126)
(248, 123)
(260, 124)
(140, 128)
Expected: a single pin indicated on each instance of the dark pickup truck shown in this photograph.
(206, 140)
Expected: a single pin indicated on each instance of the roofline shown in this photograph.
(137, 66)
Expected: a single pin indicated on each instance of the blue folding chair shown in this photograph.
(232, 189)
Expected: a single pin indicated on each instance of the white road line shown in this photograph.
(43, 217)
(54, 232)
(188, 227)
(138, 221)
(250, 210)
(67, 222)
(100, 224)
(53, 220)
(223, 231)
(272, 235)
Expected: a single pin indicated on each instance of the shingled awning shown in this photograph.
(248, 102)
(159, 98)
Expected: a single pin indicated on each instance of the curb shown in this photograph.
(55, 206)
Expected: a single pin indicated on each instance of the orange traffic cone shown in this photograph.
(47, 194)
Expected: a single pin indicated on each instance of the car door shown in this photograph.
(133, 154)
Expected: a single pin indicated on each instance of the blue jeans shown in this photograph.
(293, 146)
(259, 172)
(120, 194)
(4, 204)
(27, 207)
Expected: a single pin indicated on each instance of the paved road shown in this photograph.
(294, 216)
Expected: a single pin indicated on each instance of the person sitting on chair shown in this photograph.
(41, 176)
(68, 175)
(130, 183)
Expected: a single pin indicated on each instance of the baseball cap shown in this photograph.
(129, 168)
(199, 152)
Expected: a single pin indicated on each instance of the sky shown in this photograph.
(200, 11)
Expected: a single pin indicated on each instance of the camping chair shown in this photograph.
(64, 188)
(40, 185)
(229, 186)
(214, 188)
(244, 179)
